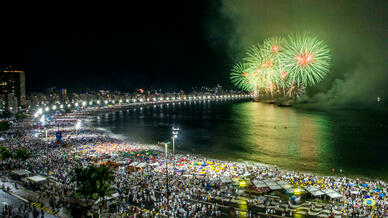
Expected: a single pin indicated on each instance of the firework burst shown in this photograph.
(306, 59)
(282, 66)
(262, 63)
(242, 78)
(295, 90)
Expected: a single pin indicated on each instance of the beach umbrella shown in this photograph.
(364, 185)
(382, 195)
(376, 190)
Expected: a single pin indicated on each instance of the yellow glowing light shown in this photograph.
(297, 191)
(242, 184)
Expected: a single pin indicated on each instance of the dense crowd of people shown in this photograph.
(194, 186)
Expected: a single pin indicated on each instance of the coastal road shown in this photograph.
(10, 200)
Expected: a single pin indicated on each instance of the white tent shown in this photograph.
(21, 172)
(259, 184)
(334, 195)
(331, 193)
(272, 184)
(285, 185)
(141, 165)
(37, 178)
(133, 164)
(246, 174)
(114, 195)
(354, 192)
(314, 191)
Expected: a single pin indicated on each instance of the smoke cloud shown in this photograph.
(355, 31)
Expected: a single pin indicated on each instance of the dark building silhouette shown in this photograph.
(12, 88)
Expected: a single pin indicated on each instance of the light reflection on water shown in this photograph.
(292, 139)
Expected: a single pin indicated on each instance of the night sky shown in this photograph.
(176, 46)
(164, 46)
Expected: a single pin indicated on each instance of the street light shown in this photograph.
(77, 126)
(174, 132)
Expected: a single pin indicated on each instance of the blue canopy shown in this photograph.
(382, 195)
(367, 196)
(376, 190)
(365, 185)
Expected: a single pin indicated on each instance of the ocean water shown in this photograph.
(293, 139)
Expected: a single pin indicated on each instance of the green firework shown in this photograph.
(241, 78)
(263, 64)
(306, 59)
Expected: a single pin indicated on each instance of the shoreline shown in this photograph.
(89, 120)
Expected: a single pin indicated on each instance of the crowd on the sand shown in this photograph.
(197, 187)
